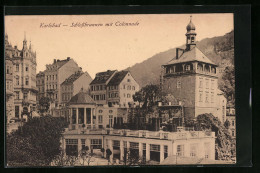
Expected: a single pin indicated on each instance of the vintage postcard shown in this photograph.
(126, 89)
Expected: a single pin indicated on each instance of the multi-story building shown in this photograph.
(99, 86)
(55, 74)
(191, 77)
(24, 76)
(231, 117)
(121, 89)
(40, 84)
(71, 86)
(9, 80)
(114, 88)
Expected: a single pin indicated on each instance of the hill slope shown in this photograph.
(218, 49)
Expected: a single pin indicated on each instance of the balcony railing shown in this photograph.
(74, 128)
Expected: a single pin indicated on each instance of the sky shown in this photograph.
(100, 48)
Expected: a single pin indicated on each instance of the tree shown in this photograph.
(228, 83)
(148, 95)
(37, 142)
(227, 124)
(224, 141)
(44, 104)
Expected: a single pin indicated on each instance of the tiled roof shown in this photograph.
(72, 78)
(81, 98)
(117, 78)
(102, 77)
(193, 55)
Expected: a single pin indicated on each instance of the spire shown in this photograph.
(24, 42)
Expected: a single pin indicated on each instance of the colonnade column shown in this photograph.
(91, 117)
(85, 116)
(174, 69)
(183, 67)
(195, 66)
(77, 117)
(210, 68)
(110, 145)
(121, 150)
(203, 67)
(140, 149)
(161, 153)
(147, 151)
(79, 146)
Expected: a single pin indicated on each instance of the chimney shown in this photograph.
(68, 58)
(54, 61)
(179, 52)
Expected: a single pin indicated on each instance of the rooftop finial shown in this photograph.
(190, 17)
(24, 35)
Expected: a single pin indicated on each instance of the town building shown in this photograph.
(21, 67)
(40, 84)
(9, 92)
(99, 86)
(192, 78)
(121, 89)
(231, 117)
(54, 75)
(114, 88)
(71, 86)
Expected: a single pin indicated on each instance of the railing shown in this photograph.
(141, 133)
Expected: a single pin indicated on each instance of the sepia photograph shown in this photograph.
(120, 90)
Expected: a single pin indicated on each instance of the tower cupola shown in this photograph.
(190, 35)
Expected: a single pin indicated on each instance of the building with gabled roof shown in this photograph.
(99, 86)
(121, 88)
(192, 78)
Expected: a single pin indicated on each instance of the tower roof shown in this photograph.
(192, 55)
(190, 26)
(81, 98)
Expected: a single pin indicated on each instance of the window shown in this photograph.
(100, 119)
(207, 98)
(180, 150)
(187, 67)
(207, 150)
(100, 111)
(201, 84)
(7, 69)
(233, 123)
(154, 147)
(128, 80)
(212, 84)
(193, 150)
(134, 145)
(212, 98)
(71, 141)
(17, 95)
(165, 151)
(128, 95)
(25, 96)
(207, 84)
(56, 96)
(47, 78)
(133, 87)
(178, 84)
(124, 86)
(110, 120)
(96, 143)
(27, 81)
(52, 77)
(27, 68)
(17, 80)
(17, 67)
(233, 133)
